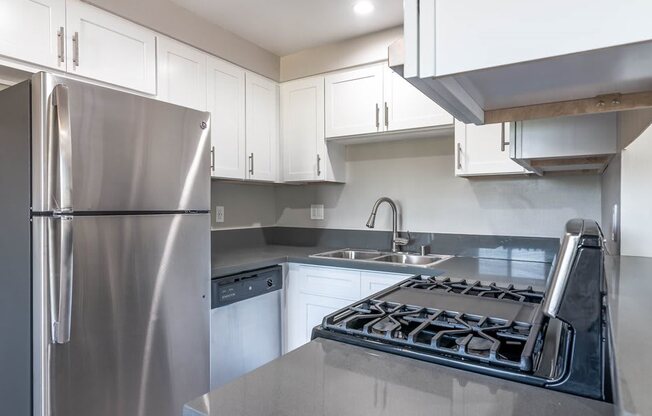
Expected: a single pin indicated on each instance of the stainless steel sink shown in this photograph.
(413, 259)
(375, 256)
(350, 254)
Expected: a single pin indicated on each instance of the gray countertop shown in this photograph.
(630, 308)
(325, 377)
(251, 258)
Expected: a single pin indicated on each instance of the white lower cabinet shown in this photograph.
(314, 292)
(181, 74)
(372, 282)
(484, 150)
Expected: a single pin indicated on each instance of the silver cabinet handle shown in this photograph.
(318, 165)
(251, 164)
(377, 116)
(213, 158)
(386, 115)
(60, 276)
(60, 45)
(75, 49)
(503, 143)
(459, 156)
(60, 151)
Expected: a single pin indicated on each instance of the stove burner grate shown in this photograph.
(475, 288)
(455, 334)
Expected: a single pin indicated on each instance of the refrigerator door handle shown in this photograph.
(60, 276)
(60, 151)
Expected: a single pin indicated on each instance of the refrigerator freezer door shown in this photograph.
(128, 153)
(139, 333)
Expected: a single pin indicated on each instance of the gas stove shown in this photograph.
(500, 326)
(504, 330)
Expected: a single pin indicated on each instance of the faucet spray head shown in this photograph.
(372, 220)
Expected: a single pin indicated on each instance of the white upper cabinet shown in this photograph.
(226, 103)
(261, 128)
(302, 129)
(407, 108)
(476, 57)
(34, 31)
(490, 34)
(483, 150)
(306, 156)
(374, 99)
(181, 74)
(353, 101)
(108, 48)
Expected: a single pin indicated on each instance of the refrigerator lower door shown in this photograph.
(138, 342)
(95, 149)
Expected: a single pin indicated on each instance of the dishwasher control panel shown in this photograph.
(230, 289)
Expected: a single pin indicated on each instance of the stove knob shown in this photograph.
(270, 283)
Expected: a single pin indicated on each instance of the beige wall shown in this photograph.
(166, 17)
(419, 175)
(344, 54)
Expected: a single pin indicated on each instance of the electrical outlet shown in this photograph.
(219, 214)
(317, 211)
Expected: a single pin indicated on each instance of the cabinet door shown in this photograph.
(408, 108)
(310, 312)
(108, 48)
(372, 282)
(181, 74)
(478, 150)
(353, 101)
(226, 103)
(262, 128)
(313, 293)
(302, 130)
(33, 31)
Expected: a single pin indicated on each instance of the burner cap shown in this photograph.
(476, 344)
(383, 326)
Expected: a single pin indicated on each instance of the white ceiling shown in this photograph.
(287, 26)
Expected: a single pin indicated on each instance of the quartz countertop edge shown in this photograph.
(326, 377)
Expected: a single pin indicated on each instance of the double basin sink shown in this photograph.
(374, 256)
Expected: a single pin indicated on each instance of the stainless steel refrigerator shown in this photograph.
(104, 251)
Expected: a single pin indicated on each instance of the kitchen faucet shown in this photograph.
(396, 240)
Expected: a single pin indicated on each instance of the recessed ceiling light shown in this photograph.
(363, 7)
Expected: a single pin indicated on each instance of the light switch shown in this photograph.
(317, 211)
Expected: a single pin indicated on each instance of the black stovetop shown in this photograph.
(458, 319)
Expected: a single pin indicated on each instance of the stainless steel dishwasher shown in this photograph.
(245, 323)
